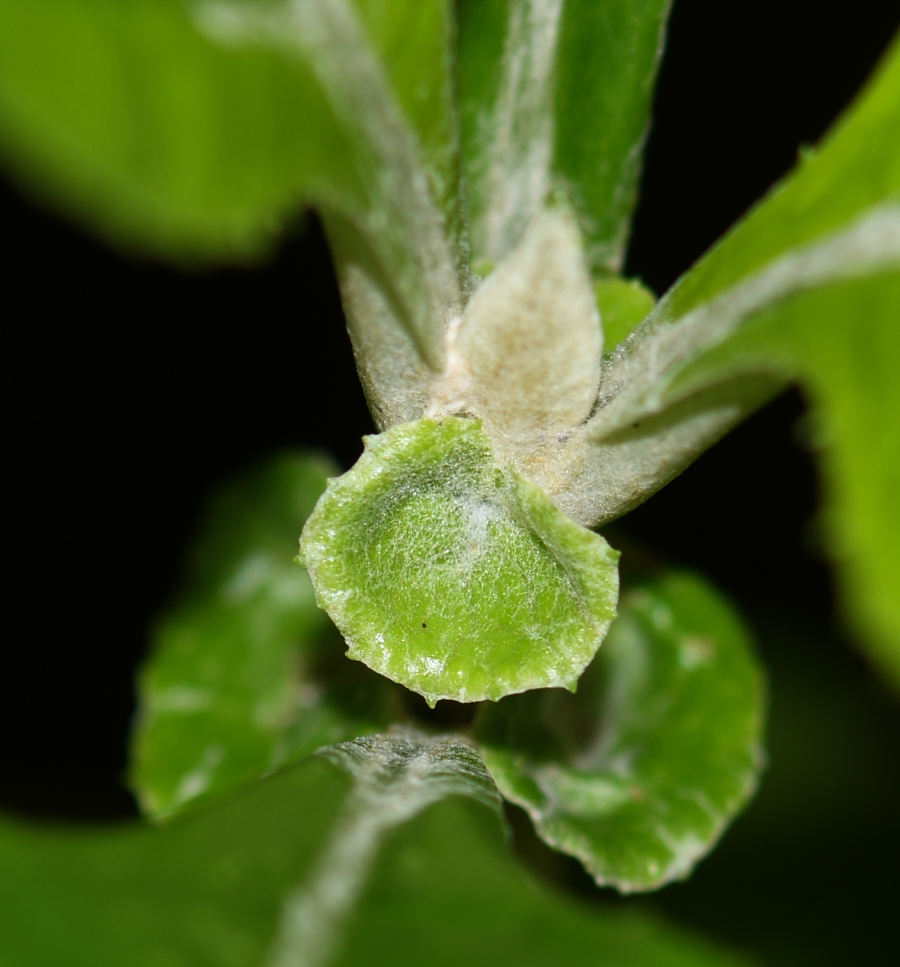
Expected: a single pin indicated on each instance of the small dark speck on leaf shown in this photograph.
(424, 625)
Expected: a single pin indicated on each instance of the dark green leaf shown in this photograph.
(555, 95)
(609, 53)
(246, 672)
(309, 869)
(638, 774)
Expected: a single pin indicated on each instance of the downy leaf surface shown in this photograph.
(638, 773)
(372, 852)
(454, 577)
(555, 96)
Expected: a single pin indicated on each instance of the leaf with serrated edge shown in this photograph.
(638, 774)
(453, 577)
(850, 374)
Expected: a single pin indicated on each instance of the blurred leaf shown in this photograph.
(246, 673)
(453, 577)
(852, 376)
(310, 868)
(193, 131)
(638, 774)
(855, 169)
(835, 218)
(134, 121)
(815, 260)
(555, 95)
(623, 305)
(673, 388)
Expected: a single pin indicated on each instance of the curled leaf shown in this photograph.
(453, 577)
(638, 774)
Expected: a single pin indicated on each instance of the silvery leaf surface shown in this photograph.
(555, 96)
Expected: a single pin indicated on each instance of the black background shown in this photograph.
(133, 389)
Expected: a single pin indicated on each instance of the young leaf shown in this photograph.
(525, 356)
(555, 94)
(412, 848)
(246, 672)
(453, 577)
(639, 773)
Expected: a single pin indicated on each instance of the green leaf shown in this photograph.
(414, 42)
(453, 577)
(836, 217)
(371, 853)
(850, 374)
(607, 61)
(801, 289)
(555, 95)
(193, 131)
(623, 305)
(662, 400)
(246, 673)
(638, 774)
(854, 170)
(134, 121)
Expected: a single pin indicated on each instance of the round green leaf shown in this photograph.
(453, 577)
(638, 775)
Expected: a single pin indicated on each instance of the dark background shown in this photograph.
(134, 389)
